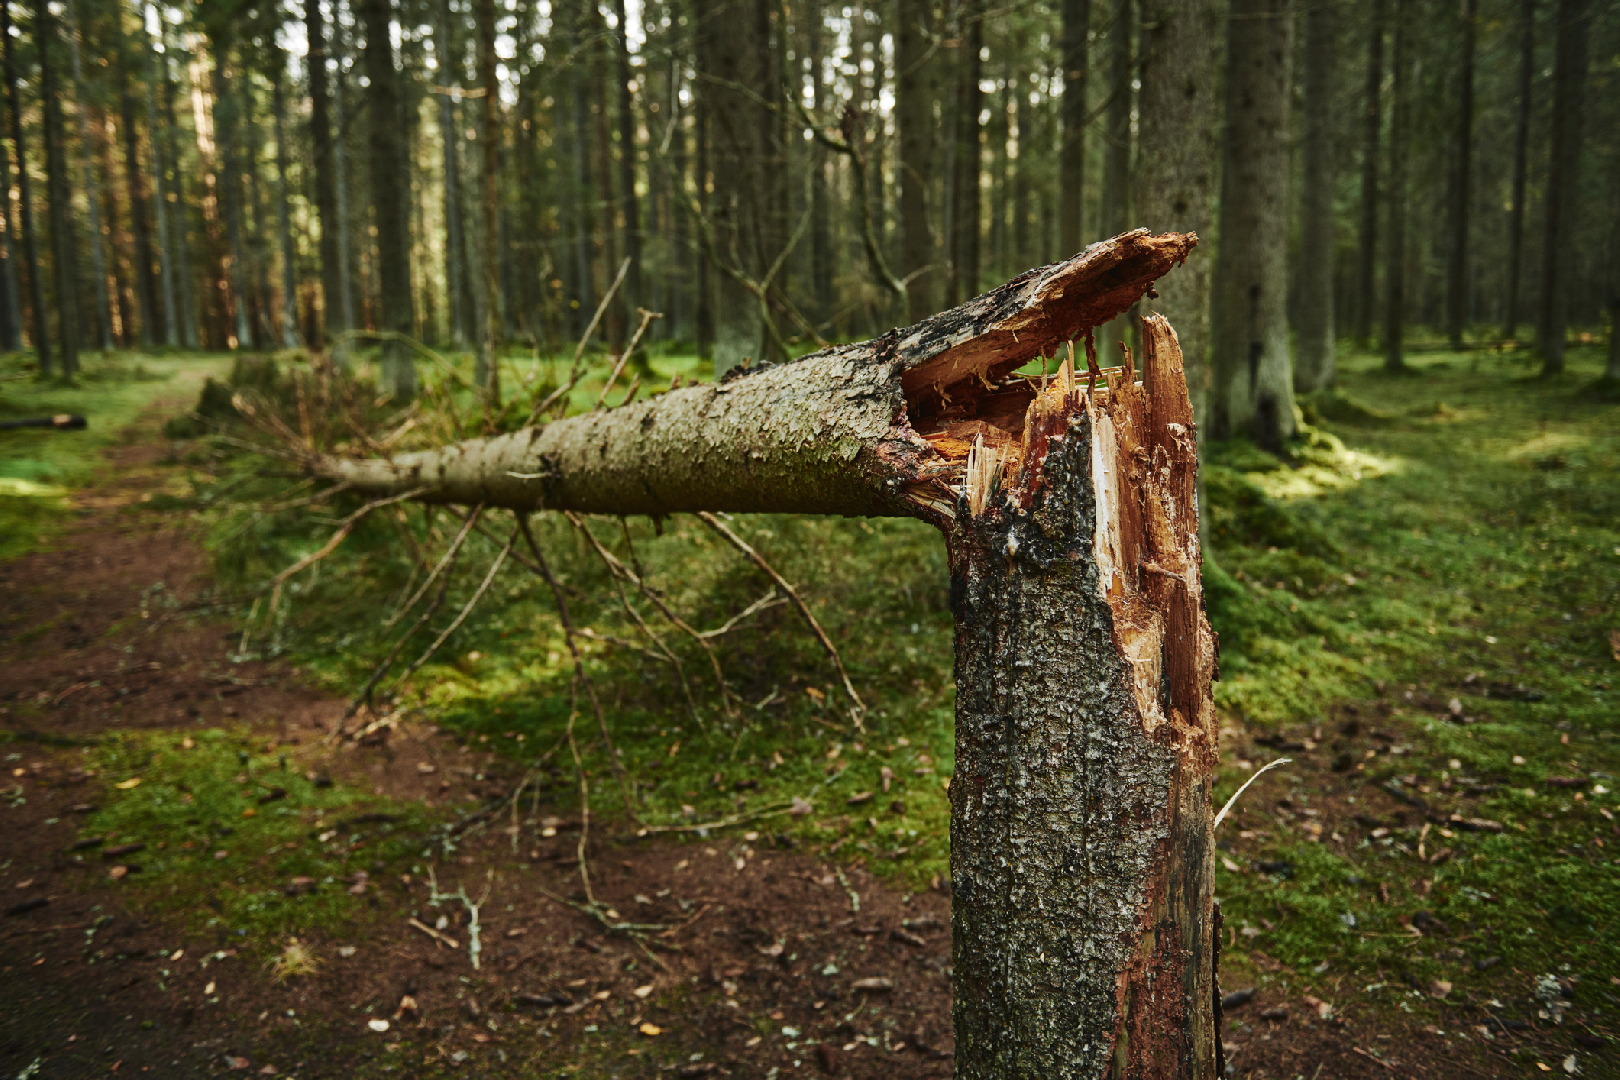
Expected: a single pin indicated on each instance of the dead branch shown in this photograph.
(826, 643)
(449, 555)
(764, 603)
(466, 610)
(618, 368)
(343, 530)
(575, 370)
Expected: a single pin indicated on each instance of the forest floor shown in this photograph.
(1418, 607)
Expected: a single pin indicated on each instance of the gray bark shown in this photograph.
(165, 237)
(914, 115)
(487, 375)
(225, 117)
(289, 279)
(1080, 806)
(36, 287)
(1372, 120)
(1461, 182)
(967, 160)
(87, 173)
(390, 193)
(188, 297)
(1072, 152)
(1178, 159)
(10, 293)
(59, 195)
(146, 289)
(1113, 211)
(1563, 178)
(1316, 367)
(1521, 165)
(1399, 150)
(340, 171)
(320, 138)
(1254, 377)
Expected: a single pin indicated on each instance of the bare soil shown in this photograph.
(764, 961)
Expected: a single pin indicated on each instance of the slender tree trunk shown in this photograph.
(154, 146)
(320, 137)
(914, 115)
(188, 296)
(1611, 373)
(289, 277)
(1316, 368)
(340, 170)
(64, 241)
(255, 215)
(455, 244)
(1395, 259)
(1022, 246)
(87, 174)
(390, 190)
(11, 314)
(1254, 379)
(488, 375)
(1372, 128)
(123, 296)
(1563, 178)
(1072, 153)
(1178, 160)
(738, 60)
(1521, 166)
(629, 201)
(1461, 182)
(36, 287)
(966, 211)
(145, 282)
(821, 244)
(1083, 659)
(226, 114)
(1114, 209)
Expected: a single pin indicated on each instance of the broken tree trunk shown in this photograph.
(1084, 936)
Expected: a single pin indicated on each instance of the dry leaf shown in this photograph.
(125, 785)
(650, 1029)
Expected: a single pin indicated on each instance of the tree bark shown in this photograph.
(1461, 182)
(1114, 211)
(966, 204)
(390, 191)
(36, 287)
(1072, 152)
(1316, 367)
(188, 296)
(1372, 120)
(87, 174)
(914, 115)
(1395, 257)
(146, 289)
(1178, 159)
(320, 138)
(1521, 166)
(629, 201)
(1563, 178)
(821, 244)
(226, 114)
(1254, 378)
(59, 192)
(340, 172)
(11, 312)
(289, 277)
(1080, 807)
(154, 146)
(488, 375)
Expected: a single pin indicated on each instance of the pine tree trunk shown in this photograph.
(36, 287)
(1395, 257)
(1178, 160)
(821, 244)
(1521, 166)
(629, 201)
(165, 234)
(1372, 120)
(325, 180)
(145, 283)
(11, 313)
(289, 277)
(1254, 392)
(1072, 152)
(583, 223)
(226, 114)
(967, 164)
(914, 116)
(182, 244)
(390, 191)
(340, 174)
(1316, 367)
(1461, 183)
(1113, 210)
(87, 173)
(488, 376)
(1563, 178)
(64, 240)
(1086, 739)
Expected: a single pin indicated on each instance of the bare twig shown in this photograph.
(444, 939)
(618, 368)
(466, 610)
(826, 643)
(723, 823)
(455, 546)
(343, 530)
(764, 603)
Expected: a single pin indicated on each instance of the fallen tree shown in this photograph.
(1084, 931)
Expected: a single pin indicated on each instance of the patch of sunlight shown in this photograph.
(29, 489)
(1325, 465)
(1549, 442)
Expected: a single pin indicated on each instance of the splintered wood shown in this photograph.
(1144, 475)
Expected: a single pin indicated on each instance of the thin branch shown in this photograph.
(826, 643)
(466, 610)
(647, 318)
(343, 530)
(449, 556)
(769, 600)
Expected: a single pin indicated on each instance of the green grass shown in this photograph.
(228, 793)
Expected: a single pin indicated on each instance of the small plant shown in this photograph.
(296, 958)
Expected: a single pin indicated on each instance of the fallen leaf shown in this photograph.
(377, 1025)
(117, 872)
(236, 1062)
(1230, 865)
(187, 743)
(650, 1029)
(268, 1070)
(209, 989)
(250, 812)
(643, 991)
(424, 768)
(1439, 988)
(345, 951)
(135, 782)
(875, 985)
(860, 797)
(801, 807)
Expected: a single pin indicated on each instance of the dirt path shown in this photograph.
(758, 960)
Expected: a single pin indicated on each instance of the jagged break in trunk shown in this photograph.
(1084, 932)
